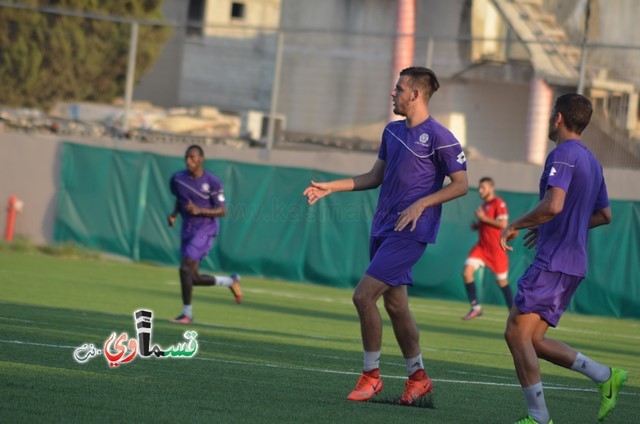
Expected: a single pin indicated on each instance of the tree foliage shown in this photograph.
(46, 57)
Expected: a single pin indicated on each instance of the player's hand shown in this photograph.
(531, 238)
(316, 191)
(474, 225)
(507, 235)
(480, 214)
(192, 209)
(409, 216)
(172, 220)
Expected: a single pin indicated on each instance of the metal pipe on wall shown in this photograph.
(403, 52)
(540, 105)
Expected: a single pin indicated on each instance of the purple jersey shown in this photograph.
(416, 161)
(562, 242)
(204, 192)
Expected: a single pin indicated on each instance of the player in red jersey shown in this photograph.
(492, 219)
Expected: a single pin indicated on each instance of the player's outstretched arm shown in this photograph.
(371, 179)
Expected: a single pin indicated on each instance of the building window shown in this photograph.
(238, 10)
(195, 17)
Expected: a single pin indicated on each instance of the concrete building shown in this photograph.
(336, 61)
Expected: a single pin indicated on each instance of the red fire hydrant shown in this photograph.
(15, 206)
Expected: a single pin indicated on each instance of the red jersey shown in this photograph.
(488, 235)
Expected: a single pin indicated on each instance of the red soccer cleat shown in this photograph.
(366, 388)
(416, 386)
(235, 288)
(473, 313)
(182, 319)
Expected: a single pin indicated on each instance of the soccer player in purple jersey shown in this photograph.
(573, 199)
(415, 156)
(200, 202)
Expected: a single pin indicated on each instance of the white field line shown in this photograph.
(20, 342)
(330, 371)
(439, 310)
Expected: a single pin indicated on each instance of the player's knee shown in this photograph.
(515, 338)
(467, 273)
(511, 335)
(394, 308)
(361, 300)
(538, 346)
(187, 267)
(508, 338)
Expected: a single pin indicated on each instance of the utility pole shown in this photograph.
(275, 91)
(131, 71)
(583, 49)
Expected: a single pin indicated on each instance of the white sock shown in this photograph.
(535, 403)
(414, 364)
(187, 310)
(595, 371)
(223, 281)
(476, 307)
(371, 360)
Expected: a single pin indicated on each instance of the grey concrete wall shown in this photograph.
(613, 22)
(495, 115)
(161, 84)
(230, 72)
(336, 82)
(30, 169)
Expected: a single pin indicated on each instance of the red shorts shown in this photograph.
(496, 260)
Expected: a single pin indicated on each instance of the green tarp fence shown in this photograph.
(118, 201)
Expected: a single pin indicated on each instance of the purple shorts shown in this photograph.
(392, 259)
(196, 247)
(545, 293)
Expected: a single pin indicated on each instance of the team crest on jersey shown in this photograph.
(221, 197)
(423, 139)
(205, 187)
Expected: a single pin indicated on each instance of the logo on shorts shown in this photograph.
(205, 187)
(423, 140)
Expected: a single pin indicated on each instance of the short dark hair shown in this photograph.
(196, 147)
(486, 180)
(576, 111)
(423, 79)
